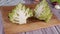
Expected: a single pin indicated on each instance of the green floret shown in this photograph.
(42, 11)
(55, 1)
(20, 14)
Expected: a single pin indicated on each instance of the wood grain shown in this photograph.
(33, 23)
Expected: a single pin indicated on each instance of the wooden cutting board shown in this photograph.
(33, 23)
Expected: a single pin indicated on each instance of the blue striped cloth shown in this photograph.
(10, 2)
(14, 2)
(1, 24)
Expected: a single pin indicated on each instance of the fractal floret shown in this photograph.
(20, 14)
(42, 11)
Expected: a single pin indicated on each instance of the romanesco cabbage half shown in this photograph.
(20, 14)
(42, 11)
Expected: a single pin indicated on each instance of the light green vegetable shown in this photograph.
(20, 14)
(56, 1)
(42, 11)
